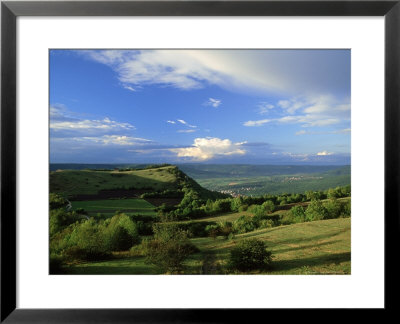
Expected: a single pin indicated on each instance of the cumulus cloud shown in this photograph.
(214, 102)
(207, 148)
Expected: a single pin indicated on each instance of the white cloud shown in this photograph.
(186, 130)
(207, 148)
(324, 153)
(127, 87)
(185, 123)
(264, 71)
(340, 131)
(252, 123)
(171, 122)
(115, 140)
(105, 124)
(264, 108)
(214, 102)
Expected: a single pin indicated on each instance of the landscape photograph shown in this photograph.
(200, 162)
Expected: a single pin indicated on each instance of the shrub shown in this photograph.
(225, 228)
(315, 211)
(121, 233)
(59, 219)
(244, 224)
(213, 230)
(266, 223)
(333, 208)
(268, 206)
(346, 209)
(169, 247)
(243, 208)
(298, 213)
(250, 254)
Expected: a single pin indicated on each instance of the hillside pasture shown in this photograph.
(87, 182)
(319, 247)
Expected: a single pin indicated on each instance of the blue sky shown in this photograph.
(203, 106)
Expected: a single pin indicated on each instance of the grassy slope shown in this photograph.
(320, 247)
(70, 182)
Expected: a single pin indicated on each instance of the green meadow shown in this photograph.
(319, 247)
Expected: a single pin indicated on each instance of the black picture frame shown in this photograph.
(10, 10)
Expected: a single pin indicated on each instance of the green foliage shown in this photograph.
(86, 242)
(169, 247)
(346, 209)
(244, 224)
(298, 213)
(250, 254)
(315, 211)
(59, 219)
(57, 201)
(333, 208)
(213, 230)
(268, 206)
(121, 233)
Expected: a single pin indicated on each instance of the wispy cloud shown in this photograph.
(265, 108)
(256, 123)
(171, 122)
(186, 130)
(287, 71)
(340, 131)
(213, 102)
(127, 87)
(185, 123)
(309, 111)
(207, 148)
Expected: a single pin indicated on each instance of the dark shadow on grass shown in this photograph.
(285, 265)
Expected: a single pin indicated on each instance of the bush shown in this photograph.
(268, 206)
(225, 228)
(244, 224)
(333, 208)
(169, 247)
(250, 254)
(213, 230)
(121, 233)
(298, 213)
(315, 211)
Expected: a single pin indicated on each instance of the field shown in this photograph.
(272, 179)
(110, 206)
(88, 182)
(319, 247)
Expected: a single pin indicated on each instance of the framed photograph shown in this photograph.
(162, 158)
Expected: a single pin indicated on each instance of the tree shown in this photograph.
(250, 254)
(298, 214)
(169, 247)
(315, 211)
(268, 206)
